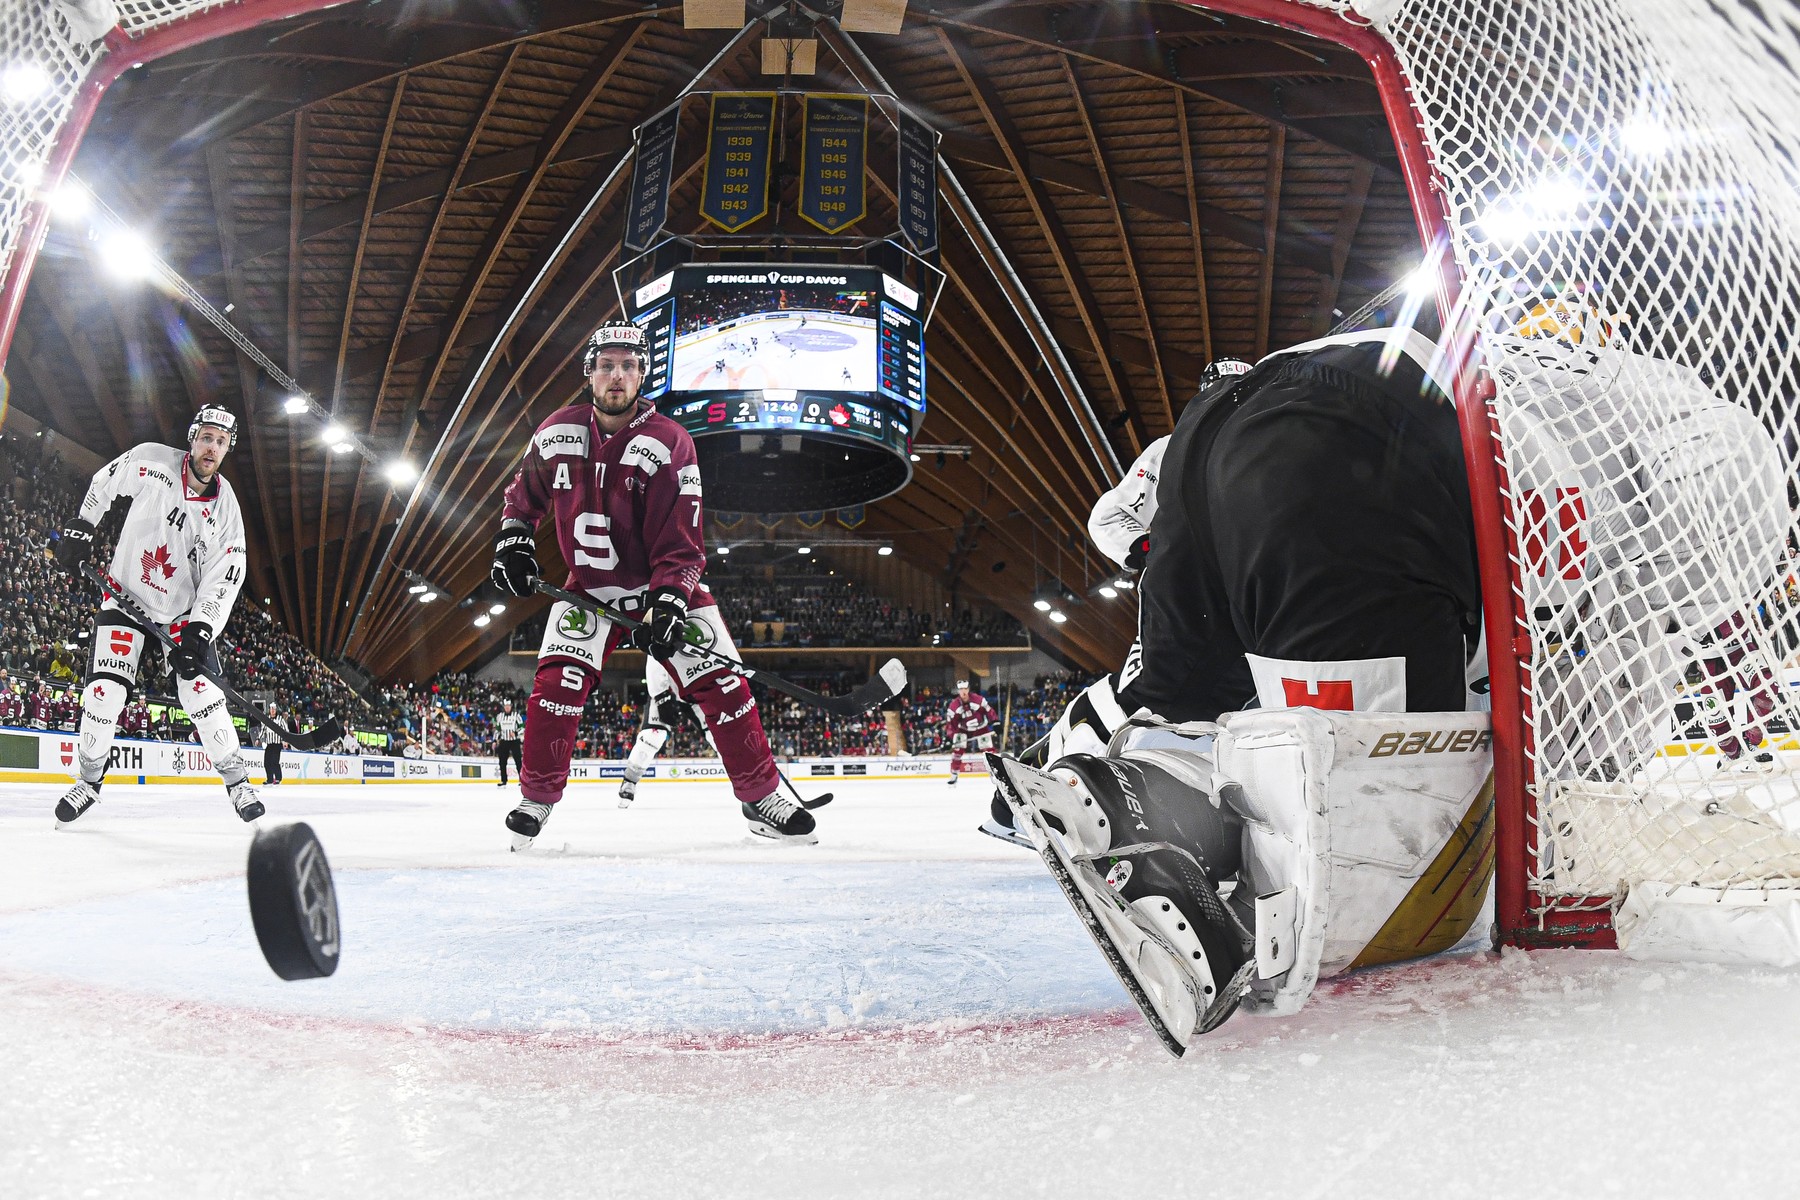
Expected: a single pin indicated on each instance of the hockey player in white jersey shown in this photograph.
(653, 735)
(180, 556)
(1654, 522)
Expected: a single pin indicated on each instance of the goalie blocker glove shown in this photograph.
(188, 658)
(74, 546)
(665, 623)
(515, 569)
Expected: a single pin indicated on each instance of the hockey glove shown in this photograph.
(1136, 553)
(187, 658)
(665, 621)
(515, 569)
(74, 546)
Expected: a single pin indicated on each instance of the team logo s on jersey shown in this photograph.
(553, 440)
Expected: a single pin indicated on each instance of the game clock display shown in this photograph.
(826, 415)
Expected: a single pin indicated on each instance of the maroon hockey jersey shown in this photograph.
(974, 716)
(627, 504)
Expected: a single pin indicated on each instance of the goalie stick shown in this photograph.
(884, 686)
(299, 739)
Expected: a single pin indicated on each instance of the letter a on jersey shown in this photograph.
(562, 482)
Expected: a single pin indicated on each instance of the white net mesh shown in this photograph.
(46, 50)
(1619, 177)
(1620, 180)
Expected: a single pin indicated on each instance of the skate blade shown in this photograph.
(520, 841)
(625, 801)
(1153, 973)
(791, 839)
(1010, 836)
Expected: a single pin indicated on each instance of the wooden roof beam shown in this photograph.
(993, 109)
(1127, 255)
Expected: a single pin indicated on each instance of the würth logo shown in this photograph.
(66, 751)
(121, 641)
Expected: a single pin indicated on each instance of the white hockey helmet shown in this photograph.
(218, 418)
(962, 683)
(621, 334)
(1223, 368)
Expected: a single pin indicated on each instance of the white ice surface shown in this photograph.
(667, 1008)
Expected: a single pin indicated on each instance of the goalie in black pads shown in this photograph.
(1307, 617)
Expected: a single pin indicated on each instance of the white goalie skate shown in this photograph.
(1149, 906)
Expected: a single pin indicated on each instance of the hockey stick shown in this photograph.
(815, 802)
(305, 739)
(886, 684)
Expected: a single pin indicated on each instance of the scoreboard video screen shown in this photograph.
(756, 328)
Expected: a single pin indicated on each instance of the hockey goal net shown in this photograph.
(1615, 178)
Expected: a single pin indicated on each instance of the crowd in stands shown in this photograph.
(44, 624)
(462, 709)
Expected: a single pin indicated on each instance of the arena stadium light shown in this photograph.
(1110, 592)
(496, 609)
(343, 447)
(804, 550)
(885, 551)
(400, 471)
(293, 406)
(1123, 584)
(1422, 281)
(417, 589)
(127, 255)
(914, 457)
(1041, 605)
(1645, 137)
(335, 433)
(427, 596)
(724, 550)
(1057, 618)
(23, 82)
(71, 201)
(482, 621)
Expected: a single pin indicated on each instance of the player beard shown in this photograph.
(614, 401)
(203, 469)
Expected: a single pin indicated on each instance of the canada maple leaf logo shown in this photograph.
(157, 560)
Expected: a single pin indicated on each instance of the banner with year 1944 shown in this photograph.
(832, 194)
(739, 139)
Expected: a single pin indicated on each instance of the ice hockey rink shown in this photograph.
(652, 1003)
(779, 350)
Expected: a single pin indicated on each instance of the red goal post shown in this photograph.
(1639, 153)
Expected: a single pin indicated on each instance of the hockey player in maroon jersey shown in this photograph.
(622, 483)
(968, 721)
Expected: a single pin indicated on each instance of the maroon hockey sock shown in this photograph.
(551, 716)
(736, 728)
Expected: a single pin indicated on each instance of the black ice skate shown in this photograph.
(1000, 824)
(627, 792)
(526, 822)
(244, 799)
(775, 816)
(1139, 853)
(77, 800)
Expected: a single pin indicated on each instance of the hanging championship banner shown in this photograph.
(738, 143)
(650, 175)
(727, 520)
(810, 520)
(835, 134)
(770, 521)
(918, 183)
(850, 518)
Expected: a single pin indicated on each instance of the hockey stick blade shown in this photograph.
(299, 739)
(886, 684)
(816, 802)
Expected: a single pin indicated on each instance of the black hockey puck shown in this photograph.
(293, 903)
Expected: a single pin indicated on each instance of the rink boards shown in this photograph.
(37, 756)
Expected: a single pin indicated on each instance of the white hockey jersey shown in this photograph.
(1634, 472)
(1122, 516)
(181, 554)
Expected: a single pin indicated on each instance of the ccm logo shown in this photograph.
(1443, 741)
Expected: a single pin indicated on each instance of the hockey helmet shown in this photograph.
(619, 334)
(1223, 368)
(1564, 331)
(962, 683)
(218, 418)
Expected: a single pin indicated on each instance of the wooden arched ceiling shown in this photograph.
(416, 213)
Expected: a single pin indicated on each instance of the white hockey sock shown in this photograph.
(205, 706)
(650, 741)
(102, 700)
